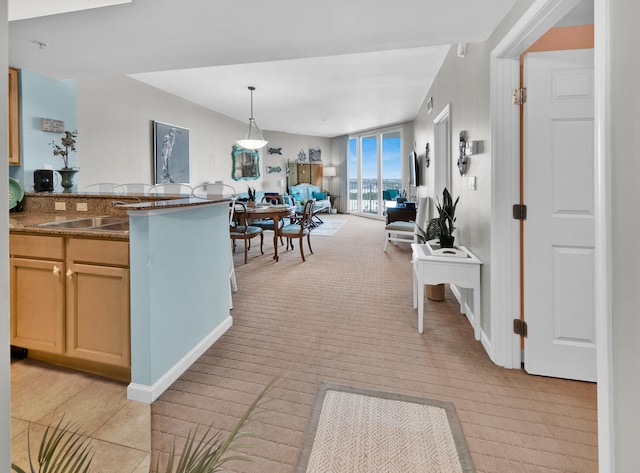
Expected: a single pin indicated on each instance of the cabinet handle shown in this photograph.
(69, 274)
(56, 271)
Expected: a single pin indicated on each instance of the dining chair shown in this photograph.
(299, 228)
(399, 231)
(136, 188)
(171, 189)
(213, 188)
(241, 230)
(103, 188)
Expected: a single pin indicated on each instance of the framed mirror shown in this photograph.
(246, 164)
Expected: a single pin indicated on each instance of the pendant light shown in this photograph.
(254, 139)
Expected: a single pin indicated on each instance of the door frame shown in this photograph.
(442, 150)
(504, 347)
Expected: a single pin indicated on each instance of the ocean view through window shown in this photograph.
(374, 166)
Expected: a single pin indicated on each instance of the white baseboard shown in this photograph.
(148, 394)
(486, 343)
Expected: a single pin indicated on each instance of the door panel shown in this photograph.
(559, 233)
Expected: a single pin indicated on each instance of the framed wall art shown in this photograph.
(170, 153)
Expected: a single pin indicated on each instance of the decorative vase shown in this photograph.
(446, 241)
(67, 178)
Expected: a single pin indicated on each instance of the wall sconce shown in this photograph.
(462, 159)
(466, 148)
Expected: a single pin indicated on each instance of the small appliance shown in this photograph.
(43, 180)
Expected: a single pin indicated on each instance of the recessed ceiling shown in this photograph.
(320, 68)
(22, 9)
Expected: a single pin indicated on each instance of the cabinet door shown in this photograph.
(14, 118)
(98, 313)
(37, 304)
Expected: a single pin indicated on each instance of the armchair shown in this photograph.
(400, 231)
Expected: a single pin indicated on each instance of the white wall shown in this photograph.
(625, 165)
(115, 141)
(291, 146)
(464, 84)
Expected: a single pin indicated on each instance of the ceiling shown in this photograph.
(320, 68)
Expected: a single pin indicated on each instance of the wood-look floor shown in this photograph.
(346, 316)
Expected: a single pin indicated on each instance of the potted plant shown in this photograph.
(67, 144)
(446, 218)
(442, 225)
(252, 197)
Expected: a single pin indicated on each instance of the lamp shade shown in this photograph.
(330, 171)
(253, 140)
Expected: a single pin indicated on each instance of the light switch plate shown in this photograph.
(472, 183)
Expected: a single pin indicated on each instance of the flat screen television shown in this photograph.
(414, 169)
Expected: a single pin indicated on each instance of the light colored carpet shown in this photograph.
(364, 431)
(328, 228)
(346, 316)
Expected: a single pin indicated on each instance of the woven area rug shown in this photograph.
(361, 431)
(328, 228)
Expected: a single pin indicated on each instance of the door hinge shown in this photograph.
(519, 212)
(519, 96)
(520, 327)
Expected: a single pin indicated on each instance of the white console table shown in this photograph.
(429, 267)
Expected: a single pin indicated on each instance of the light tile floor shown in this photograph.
(42, 394)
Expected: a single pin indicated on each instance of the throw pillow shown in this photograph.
(319, 195)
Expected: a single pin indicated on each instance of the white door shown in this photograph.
(559, 231)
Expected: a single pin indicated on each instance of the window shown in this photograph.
(374, 166)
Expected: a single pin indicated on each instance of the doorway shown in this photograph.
(504, 346)
(374, 166)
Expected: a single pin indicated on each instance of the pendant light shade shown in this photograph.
(253, 140)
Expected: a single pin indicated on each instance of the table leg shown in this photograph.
(276, 231)
(415, 284)
(420, 304)
(477, 309)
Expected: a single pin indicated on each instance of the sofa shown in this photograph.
(303, 192)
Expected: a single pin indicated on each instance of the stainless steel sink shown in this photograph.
(114, 227)
(106, 222)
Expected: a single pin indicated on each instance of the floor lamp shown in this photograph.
(330, 172)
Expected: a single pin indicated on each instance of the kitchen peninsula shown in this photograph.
(178, 256)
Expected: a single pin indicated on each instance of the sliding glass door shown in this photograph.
(374, 165)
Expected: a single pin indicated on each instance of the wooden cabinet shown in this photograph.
(37, 292)
(70, 297)
(14, 118)
(402, 214)
(98, 301)
(305, 173)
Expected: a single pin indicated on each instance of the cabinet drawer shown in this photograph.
(98, 251)
(36, 246)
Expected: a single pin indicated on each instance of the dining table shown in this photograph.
(274, 212)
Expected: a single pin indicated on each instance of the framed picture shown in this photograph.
(170, 153)
(246, 164)
(315, 155)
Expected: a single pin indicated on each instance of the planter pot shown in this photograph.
(446, 241)
(435, 292)
(67, 178)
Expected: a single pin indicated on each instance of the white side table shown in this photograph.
(463, 271)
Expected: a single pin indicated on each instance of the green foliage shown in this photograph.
(446, 213)
(210, 452)
(68, 143)
(62, 450)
